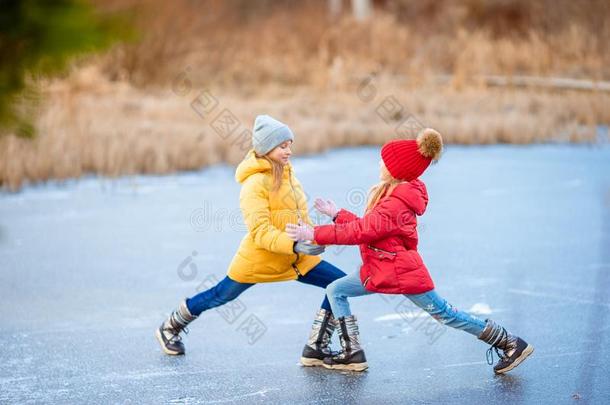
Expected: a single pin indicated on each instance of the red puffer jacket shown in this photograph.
(387, 236)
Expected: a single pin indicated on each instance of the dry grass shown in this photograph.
(118, 129)
(245, 42)
(119, 115)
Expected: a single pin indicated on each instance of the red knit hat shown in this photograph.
(408, 159)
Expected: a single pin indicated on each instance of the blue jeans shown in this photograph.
(351, 286)
(227, 290)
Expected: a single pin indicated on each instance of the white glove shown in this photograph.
(326, 207)
(300, 232)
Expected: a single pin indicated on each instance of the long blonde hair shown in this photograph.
(382, 189)
(277, 171)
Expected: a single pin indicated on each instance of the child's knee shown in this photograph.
(438, 311)
(230, 295)
(223, 296)
(331, 289)
(447, 314)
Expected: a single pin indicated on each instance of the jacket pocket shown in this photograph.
(380, 268)
(381, 254)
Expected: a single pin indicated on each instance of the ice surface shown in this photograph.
(89, 268)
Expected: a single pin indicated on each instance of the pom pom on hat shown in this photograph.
(408, 159)
(430, 144)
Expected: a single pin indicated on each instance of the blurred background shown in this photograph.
(120, 87)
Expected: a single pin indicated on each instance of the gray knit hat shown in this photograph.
(269, 133)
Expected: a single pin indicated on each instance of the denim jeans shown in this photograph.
(351, 286)
(227, 290)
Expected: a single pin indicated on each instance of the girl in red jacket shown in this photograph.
(387, 236)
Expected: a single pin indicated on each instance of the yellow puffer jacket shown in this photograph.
(265, 253)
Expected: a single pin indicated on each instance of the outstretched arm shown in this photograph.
(378, 223)
(344, 216)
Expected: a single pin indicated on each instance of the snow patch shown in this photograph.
(480, 308)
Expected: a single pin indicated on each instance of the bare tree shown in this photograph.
(361, 9)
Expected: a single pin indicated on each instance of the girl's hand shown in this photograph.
(326, 207)
(300, 232)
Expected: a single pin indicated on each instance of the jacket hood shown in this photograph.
(252, 165)
(413, 194)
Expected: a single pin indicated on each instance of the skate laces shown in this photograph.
(500, 336)
(177, 324)
(490, 355)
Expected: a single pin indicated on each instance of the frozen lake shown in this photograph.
(89, 268)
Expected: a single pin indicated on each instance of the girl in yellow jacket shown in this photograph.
(270, 198)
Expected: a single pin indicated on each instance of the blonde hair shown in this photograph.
(380, 190)
(277, 171)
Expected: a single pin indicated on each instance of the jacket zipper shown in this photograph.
(295, 268)
(366, 281)
(381, 250)
(296, 202)
(294, 195)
